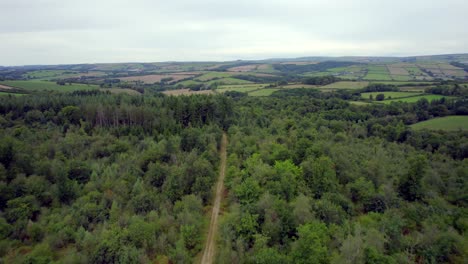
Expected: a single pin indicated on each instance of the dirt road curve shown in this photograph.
(209, 250)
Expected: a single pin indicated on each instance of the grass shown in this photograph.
(449, 123)
(378, 76)
(187, 82)
(345, 85)
(359, 103)
(244, 88)
(212, 75)
(263, 92)
(120, 91)
(413, 99)
(401, 77)
(413, 88)
(315, 74)
(400, 82)
(46, 73)
(299, 85)
(377, 68)
(12, 94)
(36, 85)
(228, 81)
(389, 94)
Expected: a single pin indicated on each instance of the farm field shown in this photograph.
(378, 76)
(359, 103)
(449, 123)
(51, 74)
(299, 85)
(4, 87)
(397, 83)
(12, 94)
(263, 92)
(414, 99)
(401, 77)
(228, 81)
(218, 75)
(213, 75)
(120, 91)
(240, 88)
(413, 88)
(37, 85)
(345, 85)
(186, 92)
(389, 94)
(245, 68)
(188, 82)
(149, 79)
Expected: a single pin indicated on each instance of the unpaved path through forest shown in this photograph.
(209, 250)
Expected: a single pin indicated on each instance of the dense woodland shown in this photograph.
(96, 178)
(90, 177)
(320, 181)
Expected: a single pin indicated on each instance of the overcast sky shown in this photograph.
(89, 31)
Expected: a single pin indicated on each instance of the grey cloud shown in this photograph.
(54, 31)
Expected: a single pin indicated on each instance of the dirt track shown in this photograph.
(209, 250)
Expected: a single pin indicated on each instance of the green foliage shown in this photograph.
(410, 188)
(322, 80)
(248, 192)
(311, 246)
(320, 175)
(90, 177)
(380, 97)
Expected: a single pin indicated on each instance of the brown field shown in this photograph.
(299, 85)
(157, 77)
(413, 88)
(448, 67)
(245, 68)
(435, 71)
(423, 78)
(120, 90)
(4, 87)
(186, 92)
(188, 73)
(263, 67)
(397, 70)
(299, 62)
(458, 73)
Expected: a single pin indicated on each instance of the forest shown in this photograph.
(94, 177)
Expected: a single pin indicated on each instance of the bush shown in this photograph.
(380, 97)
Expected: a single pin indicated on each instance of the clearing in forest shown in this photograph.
(449, 123)
(209, 250)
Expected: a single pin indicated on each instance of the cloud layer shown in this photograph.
(87, 31)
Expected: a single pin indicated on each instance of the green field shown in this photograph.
(212, 75)
(444, 123)
(120, 91)
(187, 83)
(12, 94)
(378, 76)
(413, 88)
(359, 103)
(377, 68)
(36, 85)
(299, 85)
(401, 77)
(345, 85)
(227, 81)
(51, 74)
(244, 88)
(393, 95)
(263, 92)
(401, 82)
(414, 99)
